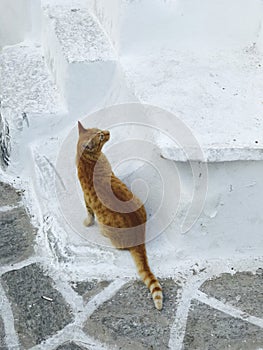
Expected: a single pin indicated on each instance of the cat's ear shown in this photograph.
(81, 128)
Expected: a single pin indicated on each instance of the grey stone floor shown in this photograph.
(225, 312)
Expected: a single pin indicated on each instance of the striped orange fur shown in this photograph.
(121, 216)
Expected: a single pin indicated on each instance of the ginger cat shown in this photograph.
(121, 216)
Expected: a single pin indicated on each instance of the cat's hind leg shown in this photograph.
(89, 221)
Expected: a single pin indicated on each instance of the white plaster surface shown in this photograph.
(202, 61)
(79, 34)
(15, 21)
(206, 73)
(218, 95)
(201, 25)
(25, 83)
(109, 13)
(81, 58)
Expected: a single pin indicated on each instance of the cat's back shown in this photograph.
(122, 193)
(110, 198)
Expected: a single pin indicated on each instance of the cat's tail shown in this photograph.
(140, 258)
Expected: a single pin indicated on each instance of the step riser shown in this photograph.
(230, 222)
(94, 85)
(85, 85)
(53, 55)
(109, 15)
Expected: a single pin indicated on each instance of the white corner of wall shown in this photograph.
(20, 21)
(108, 14)
(260, 38)
(36, 23)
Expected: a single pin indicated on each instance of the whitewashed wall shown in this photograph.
(200, 24)
(19, 21)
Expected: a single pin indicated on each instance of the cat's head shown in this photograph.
(92, 140)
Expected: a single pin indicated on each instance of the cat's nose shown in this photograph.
(106, 133)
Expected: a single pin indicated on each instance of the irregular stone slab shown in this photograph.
(88, 289)
(17, 236)
(36, 318)
(243, 290)
(71, 346)
(210, 329)
(130, 321)
(2, 334)
(8, 195)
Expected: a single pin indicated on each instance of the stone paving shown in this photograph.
(40, 312)
(133, 323)
(2, 334)
(208, 328)
(39, 309)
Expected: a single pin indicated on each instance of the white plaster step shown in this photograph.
(25, 83)
(218, 96)
(81, 58)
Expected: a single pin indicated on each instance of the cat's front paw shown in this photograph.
(89, 221)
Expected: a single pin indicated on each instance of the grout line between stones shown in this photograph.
(11, 337)
(6, 208)
(70, 296)
(91, 343)
(71, 333)
(186, 294)
(74, 330)
(177, 332)
(228, 309)
(17, 266)
(100, 298)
